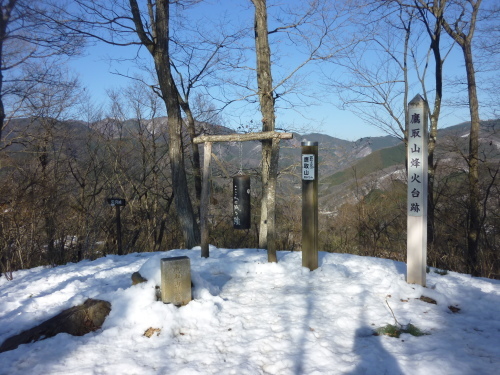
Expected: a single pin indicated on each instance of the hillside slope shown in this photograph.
(252, 317)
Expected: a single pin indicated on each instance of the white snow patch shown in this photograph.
(251, 317)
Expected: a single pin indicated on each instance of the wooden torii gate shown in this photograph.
(205, 189)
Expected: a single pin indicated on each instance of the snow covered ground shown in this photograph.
(253, 317)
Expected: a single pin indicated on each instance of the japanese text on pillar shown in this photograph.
(415, 163)
(308, 167)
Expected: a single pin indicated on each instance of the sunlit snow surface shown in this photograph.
(252, 317)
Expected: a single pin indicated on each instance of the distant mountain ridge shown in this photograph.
(370, 171)
(340, 160)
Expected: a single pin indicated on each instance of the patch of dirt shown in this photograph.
(428, 300)
(151, 331)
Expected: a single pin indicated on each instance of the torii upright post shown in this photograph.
(205, 199)
(417, 191)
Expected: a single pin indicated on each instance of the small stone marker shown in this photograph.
(176, 280)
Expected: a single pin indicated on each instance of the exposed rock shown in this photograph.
(77, 321)
(137, 278)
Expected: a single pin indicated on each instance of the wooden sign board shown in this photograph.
(116, 202)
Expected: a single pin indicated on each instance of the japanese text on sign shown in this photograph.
(416, 163)
(308, 167)
(236, 207)
(116, 202)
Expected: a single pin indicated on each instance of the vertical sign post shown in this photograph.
(117, 203)
(309, 168)
(119, 231)
(417, 191)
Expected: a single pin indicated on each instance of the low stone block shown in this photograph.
(176, 280)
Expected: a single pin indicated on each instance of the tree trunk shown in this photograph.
(270, 149)
(2, 109)
(77, 321)
(271, 201)
(456, 31)
(474, 194)
(434, 120)
(430, 183)
(4, 20)
(182, 199)
(160, 52)
(191, 128)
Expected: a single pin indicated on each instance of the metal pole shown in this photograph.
(309, 168)
(118, 230)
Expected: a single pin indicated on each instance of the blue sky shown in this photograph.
(96, 74)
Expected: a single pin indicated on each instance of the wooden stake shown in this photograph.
(310, 205)
(205, 200)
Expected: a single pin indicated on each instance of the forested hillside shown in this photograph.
(57, 177)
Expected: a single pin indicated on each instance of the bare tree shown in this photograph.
(87, 165)
(150, 185)
(270, 149)
(459, 21)
(434, 30)
(197, 58)
(307, 28)
(372, 86)
(29, 31)
(374, 81)
(121, 22)
(156, 40)
(38, 166)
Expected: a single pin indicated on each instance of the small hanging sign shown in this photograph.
(241, 202)
(116, 202)
(308, 167)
